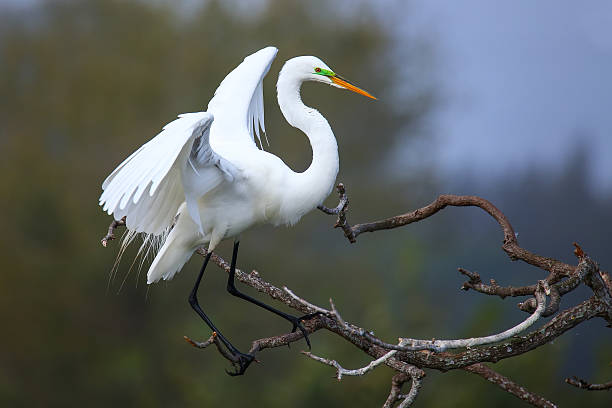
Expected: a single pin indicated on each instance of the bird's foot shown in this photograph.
(241, 363)
(297, 324)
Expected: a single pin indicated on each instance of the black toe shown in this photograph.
(244, 360)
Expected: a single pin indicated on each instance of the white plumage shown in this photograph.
(206, 168)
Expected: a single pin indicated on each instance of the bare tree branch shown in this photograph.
(396, 388)
(110, 235)
(309, 305)
(475, 283)
(340, 210)
(510, 244)
(213, 339)
(478, 341)
(340, 371)
(518, 345)
(342, 204)
(410, 356)
(441, 361)
(508, 385)
(585, 385)
(407, 344)
(411, 396)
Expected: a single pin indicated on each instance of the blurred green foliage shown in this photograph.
(84, 83)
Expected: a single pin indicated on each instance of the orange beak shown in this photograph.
(338, 80)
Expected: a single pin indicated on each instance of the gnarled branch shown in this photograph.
(410, 356)
(508, 385)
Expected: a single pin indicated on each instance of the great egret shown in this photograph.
(205, 173)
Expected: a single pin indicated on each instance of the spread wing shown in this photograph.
(238, 102)
(182, 163)
(176, 165)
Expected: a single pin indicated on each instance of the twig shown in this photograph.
(342, 204)
(414, 391)
(396, 383)
(110, 235)
(340, 210)
(213, 339)
(201, 344)
(313, 308)
(396, 388)
(398, 380)
(340, 371)
(585, 385)
(311, 326)
(556, 291)
(475, 283)
(508, 385)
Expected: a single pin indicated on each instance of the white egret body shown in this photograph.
(206, 168)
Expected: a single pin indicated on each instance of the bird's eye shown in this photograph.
(317, 69)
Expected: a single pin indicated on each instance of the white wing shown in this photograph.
(176, 165)
(238, 102)
(180, 164)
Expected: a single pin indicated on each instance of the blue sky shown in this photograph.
(523, 83)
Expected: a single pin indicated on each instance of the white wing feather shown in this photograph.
(166, 167)
(180, 163)
(238, 102)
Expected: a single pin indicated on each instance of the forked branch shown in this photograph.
(409, 357)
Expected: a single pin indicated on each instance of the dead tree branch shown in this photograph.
(475, 283)
(585, 385)
(508, 385)
(409, 357)
(340, 371)
(340, 210)
(396, 387)
(397, 382)
(510, 244)
(110, 235)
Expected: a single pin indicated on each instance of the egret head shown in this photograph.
(309, 68)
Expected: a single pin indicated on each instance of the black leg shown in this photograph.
(231, 288)
(243, 360)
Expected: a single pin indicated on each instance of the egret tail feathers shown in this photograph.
(170, 259)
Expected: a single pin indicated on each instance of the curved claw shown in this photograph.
(298, 325)
(244, 360)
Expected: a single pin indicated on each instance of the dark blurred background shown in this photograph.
(508, 103)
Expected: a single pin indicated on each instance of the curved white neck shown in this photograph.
(308, 189)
